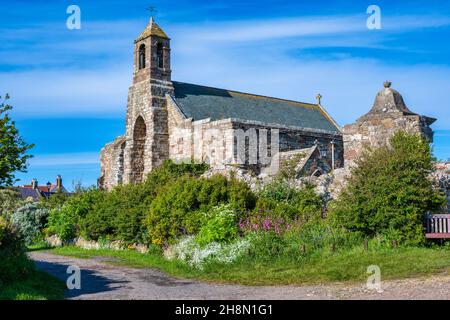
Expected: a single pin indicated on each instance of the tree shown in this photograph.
(390, 190)
(13, 148)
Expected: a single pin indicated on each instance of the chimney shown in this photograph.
(59, 182)
(34, 184)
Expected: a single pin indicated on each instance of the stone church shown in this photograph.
(227, 129)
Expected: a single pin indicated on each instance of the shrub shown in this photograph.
(265, 246)
(131, 203)
(267, 223)
(14, 264)
(120, 213)
(314, 236)
(67, 221)
(169, 171)
(63, 223)
(390, 190)
(188, 250)
(220, 227)
(56, 201)
(30, 219)
(9, 201)
(178, 208)
(96, 215)
(11, 241)
(279, 200)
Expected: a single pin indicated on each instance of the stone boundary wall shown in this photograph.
(55, 241)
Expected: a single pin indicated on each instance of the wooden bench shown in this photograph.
(437, 226)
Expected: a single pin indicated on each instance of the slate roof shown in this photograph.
(200, 102)
(29, 193)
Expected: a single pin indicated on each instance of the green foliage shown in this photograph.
(390, 191)
(280, 200)
(288, 169)
(63, 223)
(175, 210)
(13, 148)
(131, 203)
(68, 220)
(56, 201)
(220, 227)
(14, 264)
(91, 211)
(314, 236)
(118, 214)
(37, 285)
(9, 201)
(169, 171)
(11, 242)
(30, 219)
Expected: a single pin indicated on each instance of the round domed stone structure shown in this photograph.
(389, 100)
(388, 115)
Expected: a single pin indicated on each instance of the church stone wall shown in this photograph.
(377, 132)
(293, 138)
(112, 163)
(216, 142)
(200, 141)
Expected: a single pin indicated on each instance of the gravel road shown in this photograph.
(103, 281)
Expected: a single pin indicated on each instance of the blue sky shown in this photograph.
(69, 87)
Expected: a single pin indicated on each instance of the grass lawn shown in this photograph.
(38, 286)
(350, 265)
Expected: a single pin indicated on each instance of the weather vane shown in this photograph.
(152, 10)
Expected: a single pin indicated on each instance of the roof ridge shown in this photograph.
(250, 94)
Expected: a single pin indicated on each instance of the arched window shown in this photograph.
(142, 56)
(160, 55)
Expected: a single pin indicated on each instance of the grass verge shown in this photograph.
(36, 286)
(322, 267)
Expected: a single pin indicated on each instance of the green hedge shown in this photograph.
(180, 207)
(118, 214)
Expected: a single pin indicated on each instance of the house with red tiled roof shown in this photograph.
(35, 191)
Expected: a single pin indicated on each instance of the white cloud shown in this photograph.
(241, 55)
(68, 92)
(348, 87)
(64, 159)
(259, 30)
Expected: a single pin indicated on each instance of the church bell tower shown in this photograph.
(147, 143)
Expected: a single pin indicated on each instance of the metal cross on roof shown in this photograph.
(319, 98)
